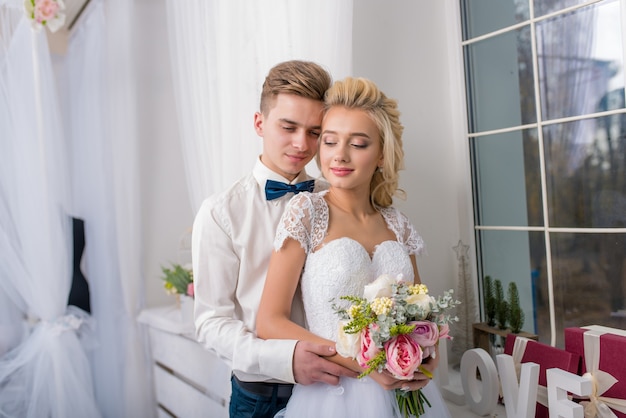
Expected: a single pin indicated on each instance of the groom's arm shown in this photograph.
(223, 322)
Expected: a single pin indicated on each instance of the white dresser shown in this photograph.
(189, 381)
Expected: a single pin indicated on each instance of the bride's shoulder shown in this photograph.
(308, 200)
(304, 220)
(404, 229)
(391, 213)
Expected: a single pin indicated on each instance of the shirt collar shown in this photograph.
(262, 173)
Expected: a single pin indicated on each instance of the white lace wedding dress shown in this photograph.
(337, 268)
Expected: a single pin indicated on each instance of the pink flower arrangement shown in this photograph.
(398, 326)
(45, 13)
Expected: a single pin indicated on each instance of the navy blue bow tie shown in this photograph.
(276, 189)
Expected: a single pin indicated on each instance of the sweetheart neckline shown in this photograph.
(370, 256)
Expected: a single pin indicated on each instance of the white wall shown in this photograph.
(410, 49)
(166, 211)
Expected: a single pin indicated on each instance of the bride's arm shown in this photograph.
(273, 318)
(416, 273)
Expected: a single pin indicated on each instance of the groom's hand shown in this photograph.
(310, 364)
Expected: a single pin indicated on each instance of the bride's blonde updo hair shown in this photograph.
(361, 93)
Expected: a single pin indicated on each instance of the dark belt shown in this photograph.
(280, 390)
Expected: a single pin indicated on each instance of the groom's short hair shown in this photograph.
(302, 78)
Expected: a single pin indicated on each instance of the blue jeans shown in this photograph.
(246, 404)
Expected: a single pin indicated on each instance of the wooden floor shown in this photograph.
(463, 411)
(457, 411)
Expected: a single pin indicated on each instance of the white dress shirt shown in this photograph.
(232, 241)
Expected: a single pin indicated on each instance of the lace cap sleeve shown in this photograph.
(405, 231)
(296, 222)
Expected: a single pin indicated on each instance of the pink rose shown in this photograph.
(45, 10)
(190, 290)
(426, 333)
(404, 356)
(368, 347)
(444, 332)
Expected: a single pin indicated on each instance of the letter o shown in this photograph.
(481, 396)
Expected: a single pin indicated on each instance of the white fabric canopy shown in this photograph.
(46, 373)
(49, 173)
(221, 52)
(71, 150)
(100, 108)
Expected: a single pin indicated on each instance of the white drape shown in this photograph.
(221, 51)
(46, 373)
(100, 108)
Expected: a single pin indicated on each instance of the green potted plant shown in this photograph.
(502, 306)
(490, 302)
(516, 314)
(178, 280)
(503, 316)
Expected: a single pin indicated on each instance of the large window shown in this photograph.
(547, 138)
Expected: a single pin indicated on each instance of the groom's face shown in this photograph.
(290, 130)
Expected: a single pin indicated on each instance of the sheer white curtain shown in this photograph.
(221, 51)
(46, 371)
(100, 109)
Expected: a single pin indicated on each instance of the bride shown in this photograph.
(335, 242)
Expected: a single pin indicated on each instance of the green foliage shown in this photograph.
(411, 403)
(177, 279)
(362, 315)
(354, 299)
(401, 329)
(375, 363)
(516, 317)
(490, 301)
(359, 323)
(502, 306)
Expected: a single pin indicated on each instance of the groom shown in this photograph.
(232, 241)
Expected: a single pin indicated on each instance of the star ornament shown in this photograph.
(462, 250)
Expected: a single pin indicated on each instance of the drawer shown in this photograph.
(184, 400)
(187, 358)
(162, 413)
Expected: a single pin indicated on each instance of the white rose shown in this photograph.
(348, 345)
(422, 301)
(381, 287)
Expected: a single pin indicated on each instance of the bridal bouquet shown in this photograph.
(395, 326)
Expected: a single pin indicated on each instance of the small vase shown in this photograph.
(186, 308)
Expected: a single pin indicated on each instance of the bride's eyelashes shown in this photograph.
(355, 144)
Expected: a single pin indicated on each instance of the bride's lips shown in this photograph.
(341, 171)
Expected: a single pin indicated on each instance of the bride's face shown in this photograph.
(350, 148)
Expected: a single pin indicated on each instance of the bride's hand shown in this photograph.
(388, 382)
(430, 365)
